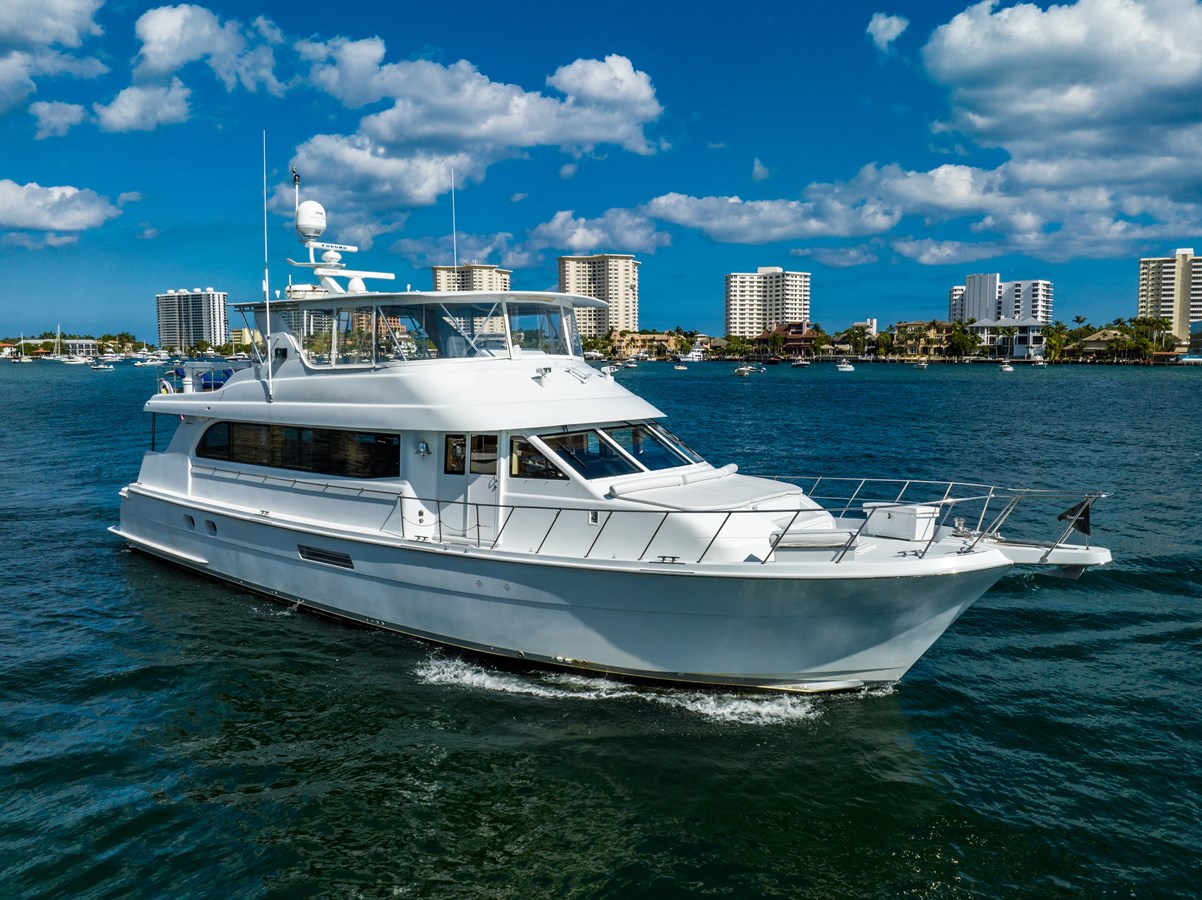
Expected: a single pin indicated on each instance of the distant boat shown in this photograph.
(679, 368)
(744, 371)
(921, 364)
(799, 364)
(102, 367)
(630, 364)
(1040, 363)
(1006, 367)
(845, 366)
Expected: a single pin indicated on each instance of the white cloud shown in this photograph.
(37, 241)
(568, 170)
(438, 116)
(18, 69)
(44, 23)
(145, 108)
(173, 36)
(931, 252)
(884, 29)
(617, 231)
(31, 207)
(733, 220)
(424, 252)
(759, 171)
(518, 197)
(56, 119)
(839, 257)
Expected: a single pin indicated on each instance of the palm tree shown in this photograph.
(1008, 333)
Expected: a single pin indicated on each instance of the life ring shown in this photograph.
(165, 386)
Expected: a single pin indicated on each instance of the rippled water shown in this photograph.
(166, 735)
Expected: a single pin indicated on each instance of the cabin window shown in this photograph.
(590, 454)
(322, 451)
(526, 461)
(484, 454)
(676, 443)
(648, 449)
(454, 460)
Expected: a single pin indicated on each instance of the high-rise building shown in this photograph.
(760, 300)
(986, 297)
(955, 304)
(613, 277)
(471, 277)
(1170, 287)
(188, 317)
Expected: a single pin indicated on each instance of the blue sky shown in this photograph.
(889, 148)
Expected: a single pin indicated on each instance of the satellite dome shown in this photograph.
(310, 220)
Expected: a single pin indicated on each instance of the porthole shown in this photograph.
(189, 521)
(211, 527)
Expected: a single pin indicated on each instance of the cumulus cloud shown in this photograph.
(436, 116)
(32, 33)
(617, 231)
(568, 170)
(173, 36)
(50, 210)
(145, 108)
(733, 220)
(931, 252)
(424, 252)
(45, 23)
(884, 29)
(759, 171)
(56, 119)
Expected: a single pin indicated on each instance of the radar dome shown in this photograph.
(310, 220)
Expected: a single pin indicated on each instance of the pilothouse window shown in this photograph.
(648, 449)
(590, 455)
(525, 461)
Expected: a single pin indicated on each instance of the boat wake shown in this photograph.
(724, 706)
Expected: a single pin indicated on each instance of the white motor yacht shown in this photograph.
(845, 366)
(448, 466)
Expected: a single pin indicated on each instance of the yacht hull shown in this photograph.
(753, 626)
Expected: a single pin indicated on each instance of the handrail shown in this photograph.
(851, 501)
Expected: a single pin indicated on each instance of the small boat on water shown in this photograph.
(799, 364)
(446, 465)
(845, 366)
(744, 371)
(680, 368)
(1006, 367)
(1039, 363)
(921, 364)
(101, 367)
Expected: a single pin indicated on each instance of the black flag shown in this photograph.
(1079, 512)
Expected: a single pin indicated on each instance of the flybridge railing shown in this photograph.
(860, 508)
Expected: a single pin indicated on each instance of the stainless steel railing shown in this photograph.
(973, 511)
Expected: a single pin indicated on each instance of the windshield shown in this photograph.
(621, 450)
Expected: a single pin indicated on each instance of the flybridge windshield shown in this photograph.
(371, 335)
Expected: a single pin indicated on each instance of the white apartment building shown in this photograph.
(986, 296)
(1170, 287)
(955, 304)
(188, 317)
(613, 277)
(471, 277)
(760, 300)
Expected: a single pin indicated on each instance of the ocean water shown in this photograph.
(164, 735)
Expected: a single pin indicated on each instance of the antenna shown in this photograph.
(266, 292)
(454, 232)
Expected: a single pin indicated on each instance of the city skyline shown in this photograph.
(887, 149)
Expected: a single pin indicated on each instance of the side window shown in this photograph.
(527, 462)
(215, 443)
(455, 458)
(484, 454)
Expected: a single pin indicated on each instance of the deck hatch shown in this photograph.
(329, 557)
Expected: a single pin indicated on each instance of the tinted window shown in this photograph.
(589, 454)
(526, 461)
(647, 448)
(324, 451)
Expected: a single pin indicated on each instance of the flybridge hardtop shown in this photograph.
(448, 466)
